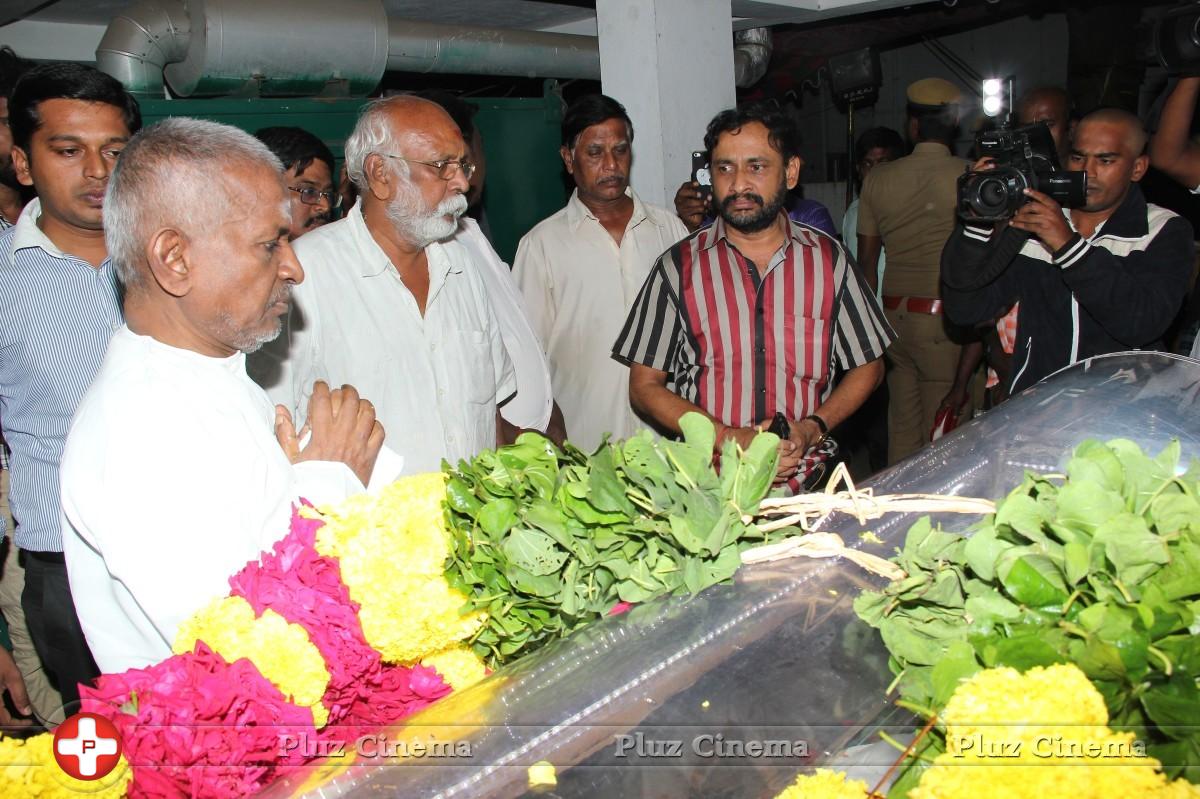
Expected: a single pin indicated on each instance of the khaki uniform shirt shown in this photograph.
(910, 204)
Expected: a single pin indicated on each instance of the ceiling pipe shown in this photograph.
(470, 50)
(752, 50)
(283, 48)
(228, 46)
(141, 41)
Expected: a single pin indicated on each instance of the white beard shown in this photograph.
(419, 225)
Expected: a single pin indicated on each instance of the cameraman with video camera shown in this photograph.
(1106, 276)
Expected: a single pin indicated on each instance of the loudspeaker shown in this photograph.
(855, 76)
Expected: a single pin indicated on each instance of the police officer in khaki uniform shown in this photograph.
(908, 206)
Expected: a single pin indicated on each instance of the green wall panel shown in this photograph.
(521, 138)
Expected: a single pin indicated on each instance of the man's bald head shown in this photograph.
(1133, 132)
(1109, 145)
(388, 126)
(1052, 105)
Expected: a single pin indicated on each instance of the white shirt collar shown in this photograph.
(577, 211)
(234, 364)
(374, 261)
(28, 233)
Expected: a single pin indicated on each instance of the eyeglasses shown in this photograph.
(310, 196)
(445, 168)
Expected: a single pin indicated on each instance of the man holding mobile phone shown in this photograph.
(693, 201)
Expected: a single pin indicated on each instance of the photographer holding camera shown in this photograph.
(1105, 276)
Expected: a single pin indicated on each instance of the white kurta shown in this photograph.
(578, 287)
(533, 402)
(172, 480)
(435, 380)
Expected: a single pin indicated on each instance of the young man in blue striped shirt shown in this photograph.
(57, 287)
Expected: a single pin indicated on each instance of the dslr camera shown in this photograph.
(1025, 158)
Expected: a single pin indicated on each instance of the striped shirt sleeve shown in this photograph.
(862, 332)
(653, 328)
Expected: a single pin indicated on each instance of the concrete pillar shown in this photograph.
(670, 63)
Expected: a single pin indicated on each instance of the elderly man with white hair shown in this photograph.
(392, 302)
(177, 469)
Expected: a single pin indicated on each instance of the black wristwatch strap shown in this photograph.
(820, 423)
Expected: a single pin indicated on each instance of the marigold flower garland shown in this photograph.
(345, 626)
(28, 769)
(1035, 735)
(407, 522)
(1039, 735)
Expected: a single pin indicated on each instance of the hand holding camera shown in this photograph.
(1015, 161)
(1043, 217)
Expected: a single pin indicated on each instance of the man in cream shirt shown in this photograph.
(177, 469)
(391, 303)
(580, 270)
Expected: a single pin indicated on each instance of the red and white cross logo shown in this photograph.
(87, 746)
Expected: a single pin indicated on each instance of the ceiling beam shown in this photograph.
(760, 13)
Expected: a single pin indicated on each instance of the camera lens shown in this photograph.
(991, 196)
(992, 193)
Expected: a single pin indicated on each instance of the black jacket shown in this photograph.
(1118, 290)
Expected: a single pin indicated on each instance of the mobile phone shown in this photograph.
(700, 173)
(780, 427)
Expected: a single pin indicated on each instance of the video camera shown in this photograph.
(1025, 158)
(1173, 40)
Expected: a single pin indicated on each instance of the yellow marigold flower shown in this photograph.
(542, 776)
(1005, 703)
(280, 650)
(392, 549)
(1038, 735)
(825, 784)
(458, 666)
(28, 769)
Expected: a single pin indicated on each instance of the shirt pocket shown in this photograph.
(478, 384)
(805, 348)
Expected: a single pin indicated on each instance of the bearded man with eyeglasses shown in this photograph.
(392, 303)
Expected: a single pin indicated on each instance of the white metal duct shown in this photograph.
(470, 50)
(751, 55)
(287, 47)
(140, 42)
(310, 47)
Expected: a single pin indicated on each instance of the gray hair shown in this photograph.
(167, 176)
(373, 134)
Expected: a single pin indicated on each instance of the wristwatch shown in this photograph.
(820, 423)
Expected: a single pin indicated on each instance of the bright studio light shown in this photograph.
(993, 96)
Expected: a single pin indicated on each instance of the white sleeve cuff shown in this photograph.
(1072, 252)
(978, 232)
(325, 482)
(388, 467)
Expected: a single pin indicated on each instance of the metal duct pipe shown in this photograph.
(283, 47)
(227, 46)
(140, 42)
(471, 50)
(751, 55)
(280, 47)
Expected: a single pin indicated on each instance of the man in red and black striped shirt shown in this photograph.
(751, 315)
